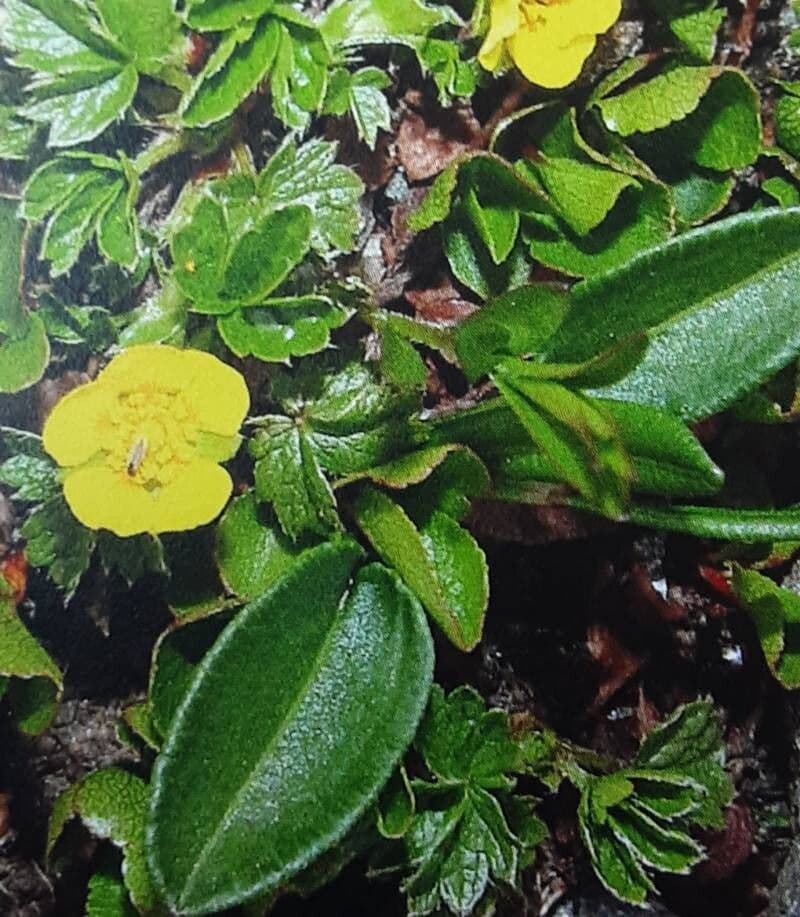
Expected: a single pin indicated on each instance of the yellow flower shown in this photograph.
(140, 445)
(547, 39)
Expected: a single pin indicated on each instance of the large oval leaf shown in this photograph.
(294, 722)
(720, 306)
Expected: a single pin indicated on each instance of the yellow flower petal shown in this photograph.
(80, 425)
(565, 21)
(539, 62)
(216, 392)
(505, 20)
(102, 498)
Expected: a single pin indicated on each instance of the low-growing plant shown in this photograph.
(255, 437)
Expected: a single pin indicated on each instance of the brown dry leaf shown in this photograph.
(729, 848)
(442, 305)
(618, 663)
(430, 138)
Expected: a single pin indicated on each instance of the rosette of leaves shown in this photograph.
(85, 59)
(463, 838)
(24, 348)
(257, 42)
(235, 241)
(639, 820)
(83, 196)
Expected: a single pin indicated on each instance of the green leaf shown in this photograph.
(59, 543)
(661, 101)
(340, 421)
(462, 742)
(112, 804)
(242, 803)
(241, 61)
(367, 22)
(716, 304)
(582, 194)
(36, 695)
(575, 434)
(641, 219)
(696, 30)
(24, 349)
(288, 475)
(308, 175)
(283, 328)
(221, 15)
(176, 658)
(161, 319)
(439, 561)
(299, 78)
(82, 81)
(461, 847)
(133, 557)
(31, 478)
(689, 743)
(79, 196)
(106, 897)
(746, 526)
(17, 136)
(776, 615)
(251, 551)
(787, 123)
(368, 105)
(614, 865)
(265, 255)
(150, 32)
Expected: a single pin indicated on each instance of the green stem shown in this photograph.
(164, 147)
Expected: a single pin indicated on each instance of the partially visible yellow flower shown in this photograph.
(547, 39)
(140, 445)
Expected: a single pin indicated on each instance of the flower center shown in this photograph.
(154, 433)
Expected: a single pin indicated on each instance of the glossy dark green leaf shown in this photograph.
(241, 803)
(82, 81)
(308, 175)
(439, 561)
(266, 254)
(717, 304)
(251, 551)
(59, 543)
(291, 327)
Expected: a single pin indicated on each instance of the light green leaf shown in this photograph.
(776, 615)
(292, 780)
(36, 685)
